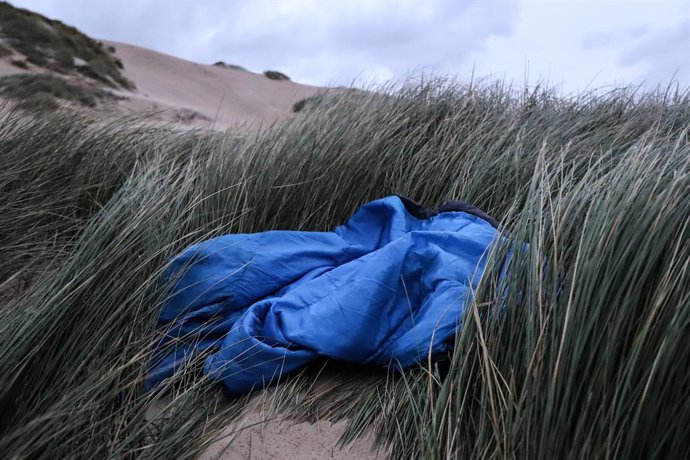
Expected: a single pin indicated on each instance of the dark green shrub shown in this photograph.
(64, 60)
(229, 66)
(275, 75)
(21, 63)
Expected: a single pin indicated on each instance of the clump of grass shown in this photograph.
(580, 352)
(53, 45)
(5, 51)
(229, 66)
(310, 102)
(275, 75)
(20, 63)
(43, 91)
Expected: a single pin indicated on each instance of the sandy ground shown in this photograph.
(279, 438)
(263, 432)
(6, 68)
(204, 95)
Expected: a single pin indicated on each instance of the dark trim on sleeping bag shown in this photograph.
(420, 212)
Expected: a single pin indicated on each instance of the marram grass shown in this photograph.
(581, 351)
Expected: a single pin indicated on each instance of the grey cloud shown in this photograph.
(399, 40)
(675, 42)
(311, 40)
(665, 55)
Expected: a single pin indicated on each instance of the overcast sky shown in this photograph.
(574, 44)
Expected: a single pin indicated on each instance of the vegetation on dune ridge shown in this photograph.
(224, 65)
(275, 75)
(581, 353)
(52, 45)
(20, 63)
(42, 91)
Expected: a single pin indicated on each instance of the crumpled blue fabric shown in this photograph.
(387, 288)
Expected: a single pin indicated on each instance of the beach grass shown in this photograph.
(580, 351)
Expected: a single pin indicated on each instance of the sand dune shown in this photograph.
(204, 95)
(171, 89)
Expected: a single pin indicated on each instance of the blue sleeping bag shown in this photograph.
(387, 288)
